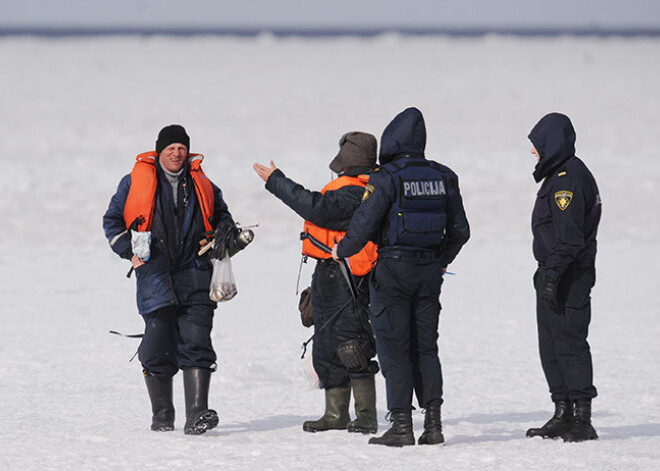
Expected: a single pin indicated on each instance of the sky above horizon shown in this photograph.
(337, 14)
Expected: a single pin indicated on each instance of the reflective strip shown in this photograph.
(115, 238)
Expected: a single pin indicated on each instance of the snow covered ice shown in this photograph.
(76, 111)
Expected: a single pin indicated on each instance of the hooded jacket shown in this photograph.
(568, 207)
(402, 145)
(405, 135)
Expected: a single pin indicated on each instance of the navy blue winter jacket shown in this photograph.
(568, 206)
(403, 143)
(332, 210)
(175, 274)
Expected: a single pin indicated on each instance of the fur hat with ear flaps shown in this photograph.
(356, 149)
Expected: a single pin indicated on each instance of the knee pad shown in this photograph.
(352, 355)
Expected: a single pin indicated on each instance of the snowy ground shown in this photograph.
(74, 114)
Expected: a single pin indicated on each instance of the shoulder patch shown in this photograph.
(368, 190)
(563, 199)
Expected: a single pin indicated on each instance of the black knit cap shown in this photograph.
(172, 134)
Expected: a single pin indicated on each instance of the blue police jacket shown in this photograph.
(567, 210)
(410, 204)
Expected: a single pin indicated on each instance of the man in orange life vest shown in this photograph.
(344, 348)
(156, 219)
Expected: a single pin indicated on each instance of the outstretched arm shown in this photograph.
(263, 171)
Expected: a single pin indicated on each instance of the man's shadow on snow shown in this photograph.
(267, 424)
(536, 419)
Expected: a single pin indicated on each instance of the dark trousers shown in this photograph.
(404, 314)
(330, 294)
(565, 353)
(177, 337)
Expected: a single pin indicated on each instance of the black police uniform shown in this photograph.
(564, 224)
(412, 209)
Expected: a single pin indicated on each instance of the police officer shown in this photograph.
(564, 224)
(412, 208)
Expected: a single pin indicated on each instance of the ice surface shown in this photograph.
(74, 114)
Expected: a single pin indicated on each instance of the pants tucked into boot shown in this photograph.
(401, 432)
(581, 429)
(162, 405)
(432, 427)
(559, 424)
(199, 418)
(336, 411)
(364, 394)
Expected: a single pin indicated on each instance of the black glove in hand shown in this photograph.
(222, 234)
(547, 290)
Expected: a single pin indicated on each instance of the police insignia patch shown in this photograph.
(563, 199)
(368, 190)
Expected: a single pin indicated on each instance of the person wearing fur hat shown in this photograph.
(157, 218)
(344, 345)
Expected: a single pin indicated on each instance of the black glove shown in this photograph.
(222, 234)
(547, 290)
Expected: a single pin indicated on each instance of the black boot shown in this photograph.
(559, 424)
(582, 429)
(432, 434)
(336, 411)
(364, 393)
(162, 406)
(401, 432)
(199, 418)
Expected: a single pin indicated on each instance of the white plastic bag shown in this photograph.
(141, 244)
(223, 284)
(308, 371)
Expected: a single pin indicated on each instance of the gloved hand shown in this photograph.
(229, 240)
(547, 289)
(220, 238)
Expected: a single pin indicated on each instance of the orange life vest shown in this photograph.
(141, 199)
(362, 261)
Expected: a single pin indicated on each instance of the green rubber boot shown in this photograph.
(336, 411)
(364, 394)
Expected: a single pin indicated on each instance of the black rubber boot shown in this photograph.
(401, 432)
(432, 434)
(199, 418)
(162, 406)
(364, 394)
(582, 429)
(336, 411)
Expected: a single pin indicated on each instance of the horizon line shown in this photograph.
(64, 31)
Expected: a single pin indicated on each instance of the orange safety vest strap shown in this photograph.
(362, 261)
(141, 196)
(141, 199)
(203, 188)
